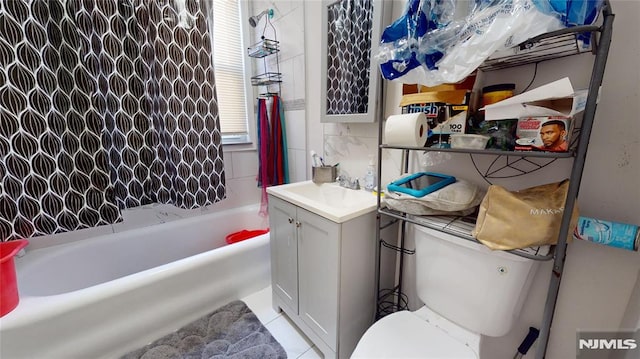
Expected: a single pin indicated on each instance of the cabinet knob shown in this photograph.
(298, 224)
(290, 220)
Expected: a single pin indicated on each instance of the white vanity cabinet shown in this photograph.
(323, 274)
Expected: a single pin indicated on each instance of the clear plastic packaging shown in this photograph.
(438, 41)
(469, 141)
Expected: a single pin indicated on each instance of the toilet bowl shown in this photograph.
(420, 334)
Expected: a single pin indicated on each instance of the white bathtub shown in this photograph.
(104, 296)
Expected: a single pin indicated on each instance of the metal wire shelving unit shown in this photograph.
(553, 45)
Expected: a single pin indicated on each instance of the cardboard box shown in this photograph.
(446, 112)
(455, 120)
(543, 133)
(466, 84)
(439, 108)
(554, 99)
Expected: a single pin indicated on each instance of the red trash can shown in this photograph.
(9, 297)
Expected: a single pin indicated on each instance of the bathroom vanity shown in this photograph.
(323, 261)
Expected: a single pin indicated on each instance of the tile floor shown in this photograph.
(296, 344)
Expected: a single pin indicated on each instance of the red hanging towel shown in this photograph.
(272, 154)
(263, 146)
(270, 148)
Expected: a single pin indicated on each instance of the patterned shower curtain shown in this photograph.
(104, 105)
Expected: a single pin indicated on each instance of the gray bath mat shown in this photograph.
(232, 331)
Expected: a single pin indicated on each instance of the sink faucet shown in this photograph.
(347, 182)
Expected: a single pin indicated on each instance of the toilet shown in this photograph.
(468, 291)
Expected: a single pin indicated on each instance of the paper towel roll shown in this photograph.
(409, 129)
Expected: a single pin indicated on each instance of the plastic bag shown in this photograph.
(572, 12)
(437, 42)
(459, 198)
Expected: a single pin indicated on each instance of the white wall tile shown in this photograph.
(391, 166)
(352, 129)
(341, 138)
(315, 130)
(272, 62)
(298, 76)
(258, 6)
(302, 159)
(288, 22)
(286, 86)
(290, 32)
(352, 152)
(291, 158)
(296, 136)
(297, 165)
(284, 7)
(245, 164)
(335, 129)
(240, 192)
(363, 129)
(228, 170)
(280, 8)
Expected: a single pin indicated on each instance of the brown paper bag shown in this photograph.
(525, 218)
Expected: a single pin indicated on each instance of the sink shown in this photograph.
(328, 200)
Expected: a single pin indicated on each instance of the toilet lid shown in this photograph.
(405, 335)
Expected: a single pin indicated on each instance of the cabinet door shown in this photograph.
(284, 251)
(318, 266)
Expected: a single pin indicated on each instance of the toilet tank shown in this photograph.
(469, 284)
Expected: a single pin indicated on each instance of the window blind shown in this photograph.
(229, 68)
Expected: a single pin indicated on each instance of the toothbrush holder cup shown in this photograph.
(324, 174)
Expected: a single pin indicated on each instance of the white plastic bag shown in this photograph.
(459, 198)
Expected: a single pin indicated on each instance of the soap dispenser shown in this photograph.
(370, 177)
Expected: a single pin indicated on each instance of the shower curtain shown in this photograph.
(104, 105)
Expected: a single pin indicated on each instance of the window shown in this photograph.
(231, 68)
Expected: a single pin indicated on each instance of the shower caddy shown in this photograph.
(263, 50)
(544, 47)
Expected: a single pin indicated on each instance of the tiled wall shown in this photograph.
(288, 21)
(242, 166)
(352, 145)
